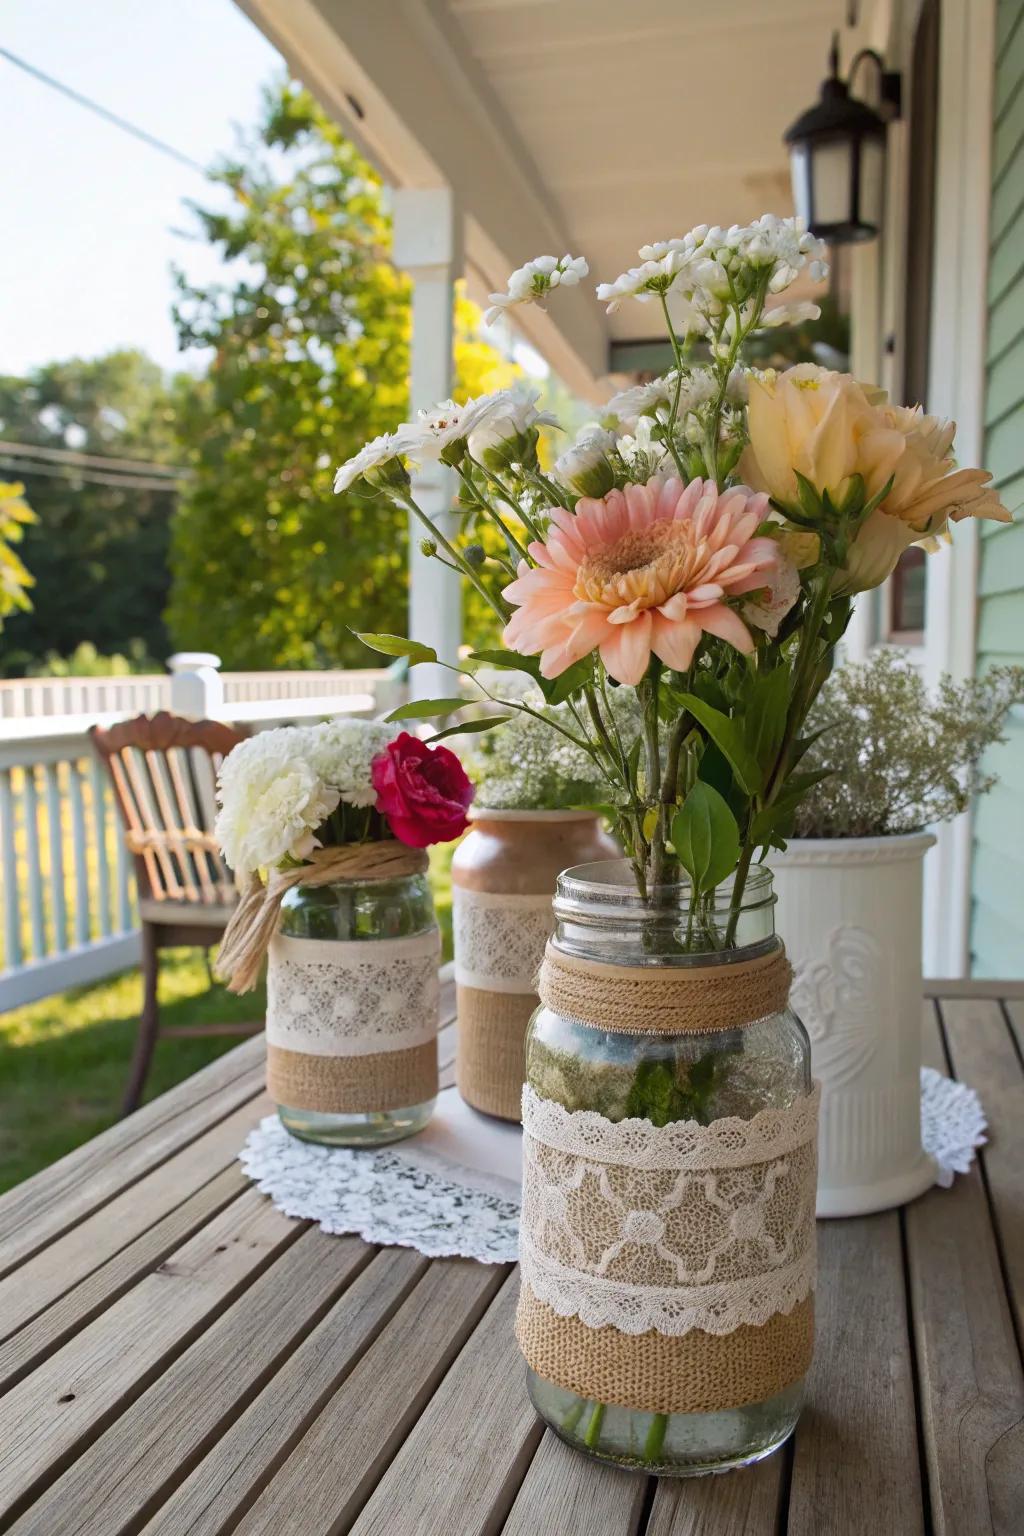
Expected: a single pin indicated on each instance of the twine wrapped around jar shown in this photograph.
(667, 1269)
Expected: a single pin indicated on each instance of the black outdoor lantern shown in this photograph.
(837, 155)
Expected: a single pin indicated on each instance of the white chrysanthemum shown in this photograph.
(369, 458)
(272, 801)
(585, 467)
(511, 413)
(626, 408)
(535, 280)
(341, 752)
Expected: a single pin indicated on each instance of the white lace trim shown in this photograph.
(953, 1124)
(387, 1196)
(328, 997)
(669, 1310)
(673, 1227)
(499, 939)
(682, 1145)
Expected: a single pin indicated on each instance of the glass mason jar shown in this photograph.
(350, 910)
(739, 1072)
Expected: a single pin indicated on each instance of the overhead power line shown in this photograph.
(89, 460)
(104, 112)
(23, 467)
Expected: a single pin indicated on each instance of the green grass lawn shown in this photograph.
(64, 1060)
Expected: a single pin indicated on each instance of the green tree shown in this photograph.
(97, 550)
(310, 343)
(15, 580)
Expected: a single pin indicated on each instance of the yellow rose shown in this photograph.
(807, 419)
(928, 492)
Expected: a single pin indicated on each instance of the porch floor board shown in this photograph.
(180, 1360)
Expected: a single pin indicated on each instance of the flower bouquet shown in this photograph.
(701, 545)
(339, 815)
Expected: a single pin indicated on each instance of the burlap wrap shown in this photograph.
(342, 1085)
(655, 1373)
(254, 920)
(490, 1063)
(638, 1000)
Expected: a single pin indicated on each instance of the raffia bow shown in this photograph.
(254, 920)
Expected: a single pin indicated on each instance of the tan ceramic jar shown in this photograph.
(503, 879)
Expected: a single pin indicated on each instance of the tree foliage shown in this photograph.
(310, 344)
(97, 551)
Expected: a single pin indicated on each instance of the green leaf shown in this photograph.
(765, 716)
(510, 660)
(398, 645)
(556, 690)
(728, 736)
(425, 709)
(487, 723)
(706, 837)
(810, 501)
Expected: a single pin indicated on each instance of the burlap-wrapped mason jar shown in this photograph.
(352, 1008)
(503, 879)
(666, 1311)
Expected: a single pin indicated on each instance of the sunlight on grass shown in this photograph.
(64, 1060)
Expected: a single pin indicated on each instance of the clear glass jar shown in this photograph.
(663, 1077)
(354, 909)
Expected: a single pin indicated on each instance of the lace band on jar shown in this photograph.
(352, 1025)
(644, 1237)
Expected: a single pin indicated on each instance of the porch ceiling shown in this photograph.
(588, 126)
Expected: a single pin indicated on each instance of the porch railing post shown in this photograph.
(197, 688)
(428, 246)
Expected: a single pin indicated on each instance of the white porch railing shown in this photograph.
(28, 698)
(67, 896)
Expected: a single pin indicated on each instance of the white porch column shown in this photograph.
(428, 246)
(957, 390)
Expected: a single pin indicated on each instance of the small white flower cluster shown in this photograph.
(703, 266)
(278, 788)
(530, 283)
(505, 416)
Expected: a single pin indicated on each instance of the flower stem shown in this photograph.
(449, 549)
(593, 1431)
(655, 1441)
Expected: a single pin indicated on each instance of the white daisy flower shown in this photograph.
(585, 467)
(511, 416)
(438, 433)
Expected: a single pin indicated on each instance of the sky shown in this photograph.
(89, 214)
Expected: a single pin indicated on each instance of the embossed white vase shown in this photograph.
(849, 910)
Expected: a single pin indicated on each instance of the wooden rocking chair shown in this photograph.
(164, 773)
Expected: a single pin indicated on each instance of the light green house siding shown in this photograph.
(997, 879)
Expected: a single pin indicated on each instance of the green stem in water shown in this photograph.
(593, 1434)
(573, 1416)
(655, 1441)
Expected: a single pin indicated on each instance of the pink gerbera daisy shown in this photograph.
(644, 569)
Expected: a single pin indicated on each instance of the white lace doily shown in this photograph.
(953, 1124)
(452, 1191)
(455, 1189)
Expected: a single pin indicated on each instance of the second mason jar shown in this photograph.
(352, 1010)
(666, 1311)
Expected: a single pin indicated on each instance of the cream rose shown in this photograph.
(808, 420)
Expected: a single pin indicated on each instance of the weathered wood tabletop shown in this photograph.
(180, 1358)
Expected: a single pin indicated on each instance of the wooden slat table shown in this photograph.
(179, 1359)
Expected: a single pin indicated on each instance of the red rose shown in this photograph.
(423, 791)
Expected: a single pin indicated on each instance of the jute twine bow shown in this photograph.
(655, 999)
(254, 920)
